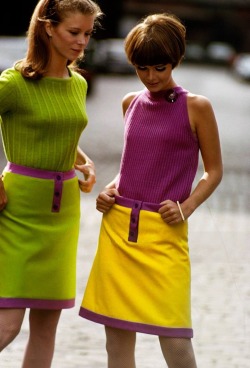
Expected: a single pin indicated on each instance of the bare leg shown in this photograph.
(120, 348)
(10, 324)
(41, 343)
(178, 352)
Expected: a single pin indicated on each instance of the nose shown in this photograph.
(83, 40)
(151, 74)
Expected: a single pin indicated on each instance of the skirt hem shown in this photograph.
(177, 332)
(36, 303)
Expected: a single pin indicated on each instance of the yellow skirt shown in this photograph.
(140, 283)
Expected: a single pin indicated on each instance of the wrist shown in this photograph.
(90, 163)
(187, 208)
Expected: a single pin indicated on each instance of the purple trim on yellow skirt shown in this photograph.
(36, 303)
(135, 326)
(136, 207)
(57, 176)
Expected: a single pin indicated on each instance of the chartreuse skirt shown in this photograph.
(140, 278)
(38, 238)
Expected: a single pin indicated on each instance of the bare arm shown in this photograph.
(106, 198)
(203, 124)
(86, 166)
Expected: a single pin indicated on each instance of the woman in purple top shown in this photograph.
(140, 279)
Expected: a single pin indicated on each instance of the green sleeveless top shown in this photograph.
(41, 121)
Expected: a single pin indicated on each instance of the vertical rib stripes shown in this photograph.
(160, 155)
(43, 120)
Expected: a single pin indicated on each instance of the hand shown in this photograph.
(106, 199)
(88, 171)
(170, 212)
(3, 196)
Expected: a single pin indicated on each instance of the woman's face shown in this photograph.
(156, 78)
(69, 39)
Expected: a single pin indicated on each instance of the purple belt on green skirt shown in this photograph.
(57, 176)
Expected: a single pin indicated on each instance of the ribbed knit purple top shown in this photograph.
(160, 154)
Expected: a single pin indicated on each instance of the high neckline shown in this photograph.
(161, 95)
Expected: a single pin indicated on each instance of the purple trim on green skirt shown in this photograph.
(137, 327)
(36, 303)
(57, 176)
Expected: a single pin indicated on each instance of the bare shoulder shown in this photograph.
(127, 99)
(198, 101)
(200, 112)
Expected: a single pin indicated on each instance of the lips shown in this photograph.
(155, 85)
(152, 84)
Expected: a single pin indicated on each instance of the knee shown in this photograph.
(119, 341)
(113, 345)
(178, 352)
(43, 324)
(8, 332)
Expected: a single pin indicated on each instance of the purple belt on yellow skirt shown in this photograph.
(57, 176)
(136, 207)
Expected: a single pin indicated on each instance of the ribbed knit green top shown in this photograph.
(42, 120)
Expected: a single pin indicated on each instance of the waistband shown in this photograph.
(136, 206)
(57, 176)
(39, 173)
(139, 205)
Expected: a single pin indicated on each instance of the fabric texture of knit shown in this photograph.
(140, 279)
(160, 155)
(42, 120)
(41, 125)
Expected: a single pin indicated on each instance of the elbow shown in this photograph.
(220, 174)
(214, 176)
(217, 176)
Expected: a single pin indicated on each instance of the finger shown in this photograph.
(171, 217)
(3, 200)
(105, 198)
(102, 209)
(85, 188)
(165, 212)
(3, 203)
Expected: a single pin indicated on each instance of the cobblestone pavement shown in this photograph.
(218, 236)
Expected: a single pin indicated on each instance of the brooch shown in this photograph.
(171, 96)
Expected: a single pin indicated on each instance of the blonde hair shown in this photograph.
(34, 65)
(157, 39)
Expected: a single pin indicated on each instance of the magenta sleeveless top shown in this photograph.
(160, 154)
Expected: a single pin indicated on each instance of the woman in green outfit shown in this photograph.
(43, 113)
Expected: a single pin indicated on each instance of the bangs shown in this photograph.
(150, 53)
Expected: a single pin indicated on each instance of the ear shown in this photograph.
(48, 28)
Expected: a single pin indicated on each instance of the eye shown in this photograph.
(160, 68)
(140, 67)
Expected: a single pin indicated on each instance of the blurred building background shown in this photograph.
(218, 32)
(206, 20)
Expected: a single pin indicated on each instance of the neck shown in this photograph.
(57, 72)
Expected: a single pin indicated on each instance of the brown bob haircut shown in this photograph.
(157, 39)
